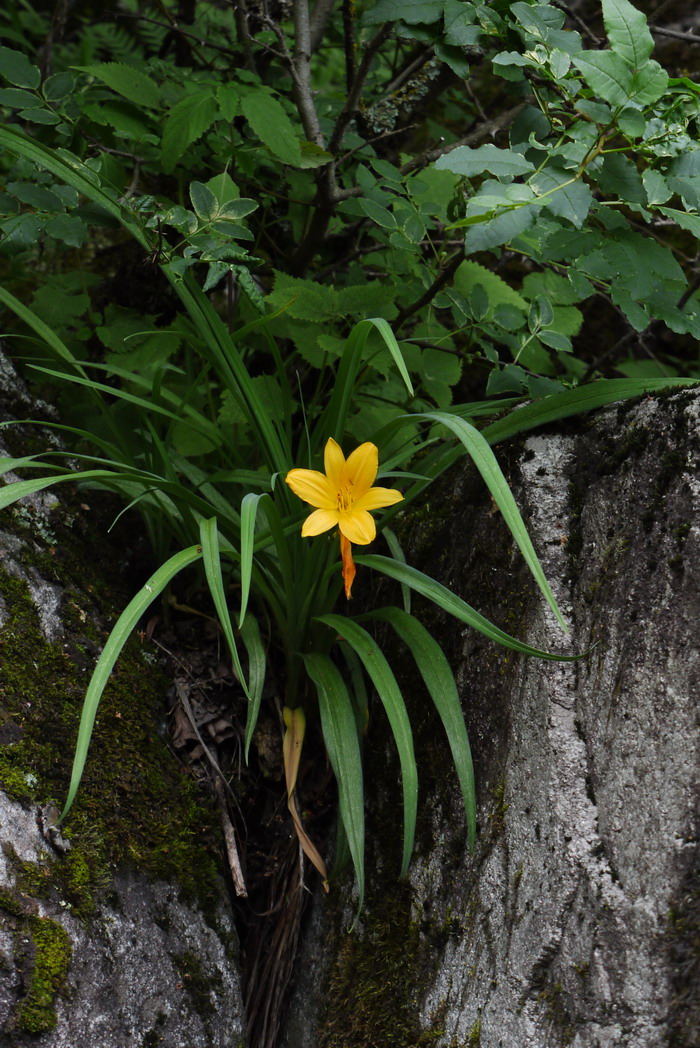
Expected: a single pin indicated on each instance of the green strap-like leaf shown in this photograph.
(453, 604)
(257, 660)
(485, 461)
(342, 745)
(390, 694)
(439, 680)
(249, 509)
(121, 632)
(211, 557)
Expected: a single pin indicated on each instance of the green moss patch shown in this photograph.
(135, 805)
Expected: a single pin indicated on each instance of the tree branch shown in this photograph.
(319, 20)
(443, 277)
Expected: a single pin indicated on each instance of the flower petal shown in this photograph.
(358, 526)
(361, 468)
(377, 498)
(319, 521)
(313, 487)
(334, 463)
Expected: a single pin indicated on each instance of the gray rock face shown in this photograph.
(576, 920)
(146, 969)
(94, 953)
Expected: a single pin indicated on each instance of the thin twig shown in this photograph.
(234, 861)
(443, 277)
(301, 75)
(348, 110)
(676, 34)
(480, 132)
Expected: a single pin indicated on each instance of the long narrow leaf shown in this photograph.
(577, 402)
(485, 461)
(440, 682)
(389, 692)
(47, 334)
(123, 628)
(257, 660)
(453, 604)
(211, 558)
(342, 745)
(249, 509)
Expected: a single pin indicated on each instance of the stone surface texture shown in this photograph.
(130, 979)
(141, 967)
(575, 922)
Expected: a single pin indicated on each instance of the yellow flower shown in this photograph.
(343, 497)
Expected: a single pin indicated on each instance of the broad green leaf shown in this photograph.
(501, 228)
(485, 461)
(499, 292)
(57, 86)
(127, 81)
(656, 187)
(39, 116)
(18, 98)
(273, 127)
(564, 196)
(122, 630)
(649, 83)
(607, 75)
(500, 162)
(409, 11)
(381, 215)
(342, 744)
(631, 122)
(440, 682)
(452, 604)
(380, 673)
(204, 201)
(224, 188)
(628, 33)
(17, 68)
(683, 219)
(618, 175)
(186, 123)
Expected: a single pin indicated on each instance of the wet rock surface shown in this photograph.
(575, 922)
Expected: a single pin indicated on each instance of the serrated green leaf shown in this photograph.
(628, 33)
(273, 127)
(649, 83)
(503, 163)
(470, 274)
(619, 176)
(565, 197)
(607, 74)
(127, 81)
(17, 68)
(500, 229)
(631, 122)
(683, 219)
(186, 123)
(656, 188)
(69, 229)
(36, 196)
